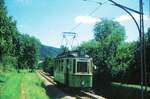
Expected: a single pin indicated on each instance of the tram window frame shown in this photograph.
(80, 67)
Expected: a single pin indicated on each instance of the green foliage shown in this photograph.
(16, 50)
(107, 30)
(90, 48)
(29, 51)
(48, 64)
(147, 46)
(124, 59)
(116, 60)
(7, 32)
(106, 49)
(48, 61)
(9, 63)
(109, 35)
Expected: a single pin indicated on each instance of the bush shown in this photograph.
(8, 63)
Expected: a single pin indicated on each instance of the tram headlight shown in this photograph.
(82, 83)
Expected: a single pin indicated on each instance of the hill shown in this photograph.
(48, 51)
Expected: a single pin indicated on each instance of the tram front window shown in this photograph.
(82, 67)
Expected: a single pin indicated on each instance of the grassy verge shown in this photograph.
(129, 86)
(10, 85)
(128, 91)
(23, 85)
(33, 90)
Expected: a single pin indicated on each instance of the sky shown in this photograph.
(47, 19)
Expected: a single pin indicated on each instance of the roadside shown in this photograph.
(23, 85)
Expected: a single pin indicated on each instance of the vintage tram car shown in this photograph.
(73, 69)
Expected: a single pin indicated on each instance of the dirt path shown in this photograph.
(23, 94)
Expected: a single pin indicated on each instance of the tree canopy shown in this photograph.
(17, 50)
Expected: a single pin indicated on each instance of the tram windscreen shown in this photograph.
(82, 67)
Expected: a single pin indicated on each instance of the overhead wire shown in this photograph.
(91, 13)
(76, 26)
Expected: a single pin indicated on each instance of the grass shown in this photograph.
(128, 91)
(129, 85)
(33, 83)
(10, 85)
(23, 85)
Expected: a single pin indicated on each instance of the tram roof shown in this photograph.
(73, 54)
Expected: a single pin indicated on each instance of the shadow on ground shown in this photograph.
(54, 93)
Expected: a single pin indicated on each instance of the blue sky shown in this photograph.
(47, 19)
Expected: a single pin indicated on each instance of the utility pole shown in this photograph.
(140, 27)
(142, 48)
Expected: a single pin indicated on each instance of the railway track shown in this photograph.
(75, 94)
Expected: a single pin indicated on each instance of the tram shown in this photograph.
(73, 69)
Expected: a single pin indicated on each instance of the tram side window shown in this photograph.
(55, 65)
(62, 65)
(74, 65)
(82, 67)
(59, 65)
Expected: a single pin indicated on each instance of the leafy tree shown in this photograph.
(90, 48)
(110, 35)
(20, 51)
(125, 61)
(48, 64)
(28, 51)
(8, 32)
(148, 55)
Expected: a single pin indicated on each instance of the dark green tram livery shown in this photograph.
(73, 69)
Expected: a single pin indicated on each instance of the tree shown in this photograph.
(8, 32)
(90, 47)
(28, 51)
(48, 64)
(147, 41)
(16, 50)
(125, 61)
(109, 35)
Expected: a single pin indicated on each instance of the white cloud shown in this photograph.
(86, 19)
(127, 17)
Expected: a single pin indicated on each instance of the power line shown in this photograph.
(76, 26)
(91, 13)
